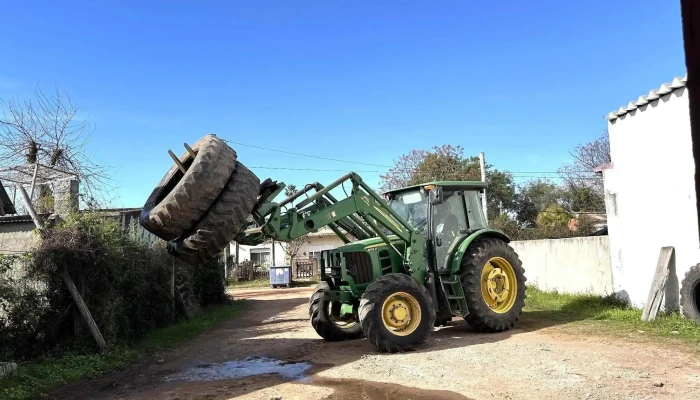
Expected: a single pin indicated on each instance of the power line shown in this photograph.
(357, 162)
(560, 175)
(306, 155)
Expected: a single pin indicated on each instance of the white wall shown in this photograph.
(650, 195)
(576, 265)
(244, 252)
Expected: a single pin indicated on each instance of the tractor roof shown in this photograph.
(474, 185)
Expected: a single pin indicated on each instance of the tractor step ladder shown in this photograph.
(452, 287)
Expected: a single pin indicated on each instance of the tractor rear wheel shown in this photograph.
(224, 220)
(397, 313)
(690, 294)
(493, 281)
(326, 320)
(180, 200)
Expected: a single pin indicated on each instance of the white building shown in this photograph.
(323, 239)
(650, 191)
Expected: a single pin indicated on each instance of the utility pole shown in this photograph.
(482, 165)
(274, 263)
(690, 16)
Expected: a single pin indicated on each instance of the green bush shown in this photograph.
(125, 283)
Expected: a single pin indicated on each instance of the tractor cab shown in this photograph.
(444, 212)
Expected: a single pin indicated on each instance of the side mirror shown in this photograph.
(435, 195)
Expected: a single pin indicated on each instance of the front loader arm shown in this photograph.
(362, 214)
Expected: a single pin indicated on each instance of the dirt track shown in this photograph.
(538, 360)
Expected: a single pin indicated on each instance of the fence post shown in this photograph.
(172, 284)
(84, 311)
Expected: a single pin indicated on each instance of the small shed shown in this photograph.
(6, 206)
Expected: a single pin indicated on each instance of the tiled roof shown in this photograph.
(655, 94)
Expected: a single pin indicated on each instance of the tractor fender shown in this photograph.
(464, 245)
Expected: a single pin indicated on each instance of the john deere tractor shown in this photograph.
(413, 259)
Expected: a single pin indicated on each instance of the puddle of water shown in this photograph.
(242, 368)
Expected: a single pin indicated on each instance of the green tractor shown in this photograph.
(413, 258)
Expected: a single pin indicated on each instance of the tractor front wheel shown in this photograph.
(397, 313)
(326, 319)
(493, 281)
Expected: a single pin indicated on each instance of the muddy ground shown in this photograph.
(271, 352)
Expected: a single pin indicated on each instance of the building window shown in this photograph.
(262, 257)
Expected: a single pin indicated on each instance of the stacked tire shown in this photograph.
(205, 207)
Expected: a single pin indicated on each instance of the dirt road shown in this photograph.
(271, 352)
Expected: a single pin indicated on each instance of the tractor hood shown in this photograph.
(367, 244)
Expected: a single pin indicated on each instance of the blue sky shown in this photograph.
(365, 81)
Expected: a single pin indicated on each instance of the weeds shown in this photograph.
(606, 315)
(36, 378)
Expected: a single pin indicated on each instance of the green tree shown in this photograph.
(582, 198)
(533, 198)
(553, 221)
(447, 163)
(290, 190)
(507, 224)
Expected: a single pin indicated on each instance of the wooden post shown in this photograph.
(94, 330)
(651, 308)
(67, 279)
(29, 206)
(236, 265)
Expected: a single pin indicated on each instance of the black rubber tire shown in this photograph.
(180, 200)
(370, 312)
(224, 220)
(480, 316)
(690, 294)
(320, 320)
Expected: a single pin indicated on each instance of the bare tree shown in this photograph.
(586, 157)
(48, 130)
(292, 247)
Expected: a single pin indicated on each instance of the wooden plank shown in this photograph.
(94, 330)
(656, 293)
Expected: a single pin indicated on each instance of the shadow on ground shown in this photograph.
(260, 332)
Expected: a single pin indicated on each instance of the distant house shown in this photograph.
(650, 190)
(599, 221)
(6, 206)
(314, 243)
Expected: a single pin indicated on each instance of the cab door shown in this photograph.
(449, 226)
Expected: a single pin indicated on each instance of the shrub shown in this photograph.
(125, 283)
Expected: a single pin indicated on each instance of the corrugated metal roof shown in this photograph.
(21, 218)
(655, 94)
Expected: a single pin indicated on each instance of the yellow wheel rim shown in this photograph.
(401, 314)
(499, 286)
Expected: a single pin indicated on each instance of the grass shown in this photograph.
(265, 283)
(33, 380)
(595, 314)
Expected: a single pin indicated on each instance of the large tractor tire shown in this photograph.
(224, 220)
(325, 318)
(397, 313)
(180, 200)
(690, 294)
(493, 281)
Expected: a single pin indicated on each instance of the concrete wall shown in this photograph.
(650, 195)
(576, 265)
(17, 237)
